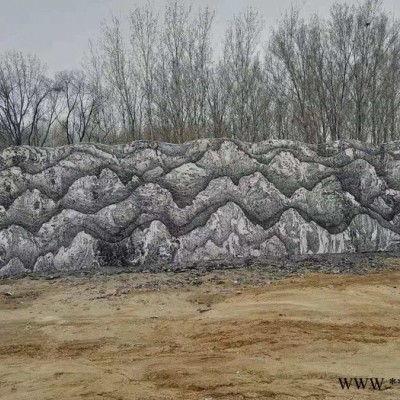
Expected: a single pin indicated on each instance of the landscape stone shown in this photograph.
(87, 206)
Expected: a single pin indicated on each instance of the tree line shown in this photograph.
(315, 80)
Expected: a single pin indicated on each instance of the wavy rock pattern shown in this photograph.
(84, 206)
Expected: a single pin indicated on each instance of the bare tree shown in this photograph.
(199, 70)
(27, 99)
(295, 49)
(121, 74)
(79, 105)
(318, 80)
(104, 127)
(144, 39)
(183, 71)
(171, 73)
(45, 112)
(244, 72)
(338, 71)
(218, 94)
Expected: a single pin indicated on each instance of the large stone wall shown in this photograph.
(85, 206)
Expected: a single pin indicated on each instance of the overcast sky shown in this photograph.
(58, 30)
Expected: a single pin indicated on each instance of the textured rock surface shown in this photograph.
(84, 206)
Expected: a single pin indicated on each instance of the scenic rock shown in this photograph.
(87, 206)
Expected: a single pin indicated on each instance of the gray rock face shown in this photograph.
(84, 206)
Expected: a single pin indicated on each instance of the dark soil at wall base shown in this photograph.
(351, 263)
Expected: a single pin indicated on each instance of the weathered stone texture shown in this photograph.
(85, 206)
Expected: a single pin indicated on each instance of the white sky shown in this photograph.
(58, 30)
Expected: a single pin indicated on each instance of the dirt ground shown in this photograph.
(151, 336)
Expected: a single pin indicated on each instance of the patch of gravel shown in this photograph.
(256, 272)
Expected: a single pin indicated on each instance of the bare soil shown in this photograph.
(228, 335)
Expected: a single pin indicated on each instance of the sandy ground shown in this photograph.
(143, 336)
